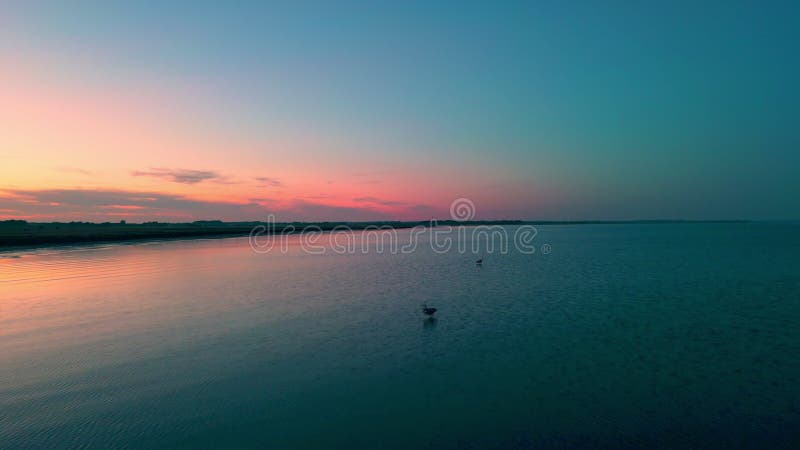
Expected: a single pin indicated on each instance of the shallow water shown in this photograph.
(679, 335)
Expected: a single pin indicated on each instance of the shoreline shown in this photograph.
(21, 235)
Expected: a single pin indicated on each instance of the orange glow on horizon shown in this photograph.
(92, 142)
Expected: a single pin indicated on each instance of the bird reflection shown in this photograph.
(429, 323)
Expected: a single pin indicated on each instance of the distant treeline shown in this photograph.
(18, 233)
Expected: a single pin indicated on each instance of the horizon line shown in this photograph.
(388, 221)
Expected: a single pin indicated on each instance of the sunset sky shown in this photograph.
(361, 111)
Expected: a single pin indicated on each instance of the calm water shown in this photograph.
(623, 336)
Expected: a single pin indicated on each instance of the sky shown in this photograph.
(344, 110)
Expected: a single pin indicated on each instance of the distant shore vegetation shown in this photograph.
(21, 233)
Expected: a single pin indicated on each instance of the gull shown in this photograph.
(428, 311)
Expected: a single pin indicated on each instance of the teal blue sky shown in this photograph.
(588, 110)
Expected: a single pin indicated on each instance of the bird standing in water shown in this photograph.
(428, 311)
